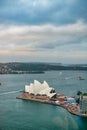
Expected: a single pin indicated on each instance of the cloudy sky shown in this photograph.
(43, 31)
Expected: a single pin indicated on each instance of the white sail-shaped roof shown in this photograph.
(38, 88)
(26, 88)
(45, 85)
(29, 88)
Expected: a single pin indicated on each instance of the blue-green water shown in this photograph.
(17, 114)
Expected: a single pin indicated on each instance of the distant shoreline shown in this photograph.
(37, 68)
(22, 72)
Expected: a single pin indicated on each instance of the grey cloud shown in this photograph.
(44, 37)
(42, 12)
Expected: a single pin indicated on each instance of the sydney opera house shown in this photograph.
(42, 92)
(38, 88)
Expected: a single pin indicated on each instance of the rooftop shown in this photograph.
(40, 88)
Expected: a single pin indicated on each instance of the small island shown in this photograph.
(41, 92)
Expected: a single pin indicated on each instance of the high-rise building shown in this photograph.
(83, 103)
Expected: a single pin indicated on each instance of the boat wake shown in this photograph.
(11, 92)
(71, 77)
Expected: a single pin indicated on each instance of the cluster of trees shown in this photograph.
(80, 93)
(41, 66)
(17, 67)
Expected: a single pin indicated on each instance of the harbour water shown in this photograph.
(17, 114)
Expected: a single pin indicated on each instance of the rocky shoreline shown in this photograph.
(58, 101)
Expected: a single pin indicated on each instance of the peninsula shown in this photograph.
(41, 92)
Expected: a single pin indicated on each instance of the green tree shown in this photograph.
(79, 93)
